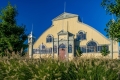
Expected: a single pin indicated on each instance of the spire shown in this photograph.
(31, 34)
(64, 6)
(64, 14)
(32, 29)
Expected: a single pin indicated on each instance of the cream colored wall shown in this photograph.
(115, 46)
(63, 37)
(115, 50)
(115, 56)
(70, 56)
(73, 26)
(35, 56)
(55, 55)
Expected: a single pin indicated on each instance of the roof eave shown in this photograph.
(63, 18)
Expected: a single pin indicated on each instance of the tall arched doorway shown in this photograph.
(62, 52)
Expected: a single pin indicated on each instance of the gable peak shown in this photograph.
(65, 15)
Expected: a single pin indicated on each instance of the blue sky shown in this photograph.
(41, 12)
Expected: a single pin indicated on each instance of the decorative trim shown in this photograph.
(81, 31)
(115, 51)
(50, 35)
(49, 39)
(93, 41)
(62, 32)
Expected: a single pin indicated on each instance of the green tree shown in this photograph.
(112, 7)
(12, 36)
(105, 51)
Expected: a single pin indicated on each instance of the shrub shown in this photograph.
(49, 69)
(105, 51)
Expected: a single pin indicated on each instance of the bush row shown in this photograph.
(49, 69)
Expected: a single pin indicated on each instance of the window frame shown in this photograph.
(55, 49)
(62, 46)
(81, 35)
(49, 39)
(69, 48)
(92, 48)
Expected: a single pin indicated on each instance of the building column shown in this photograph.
(30, 50)
(58, 47)
(73, 46)
(30, 43)
(67, 54)
(86, 48)
(53, 48)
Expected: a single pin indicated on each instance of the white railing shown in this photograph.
(44, 51)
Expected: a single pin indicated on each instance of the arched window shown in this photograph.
(62, 46)
(81, 36)
(49, 39)
(91, 47)
(55, 49)
(70, 48)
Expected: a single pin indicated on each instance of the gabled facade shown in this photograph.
(66, 35)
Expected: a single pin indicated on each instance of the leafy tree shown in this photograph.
(112, 7)
(79, 52)
(105, 51)
(12, 36)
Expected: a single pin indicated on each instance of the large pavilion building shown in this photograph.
(66, 34)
